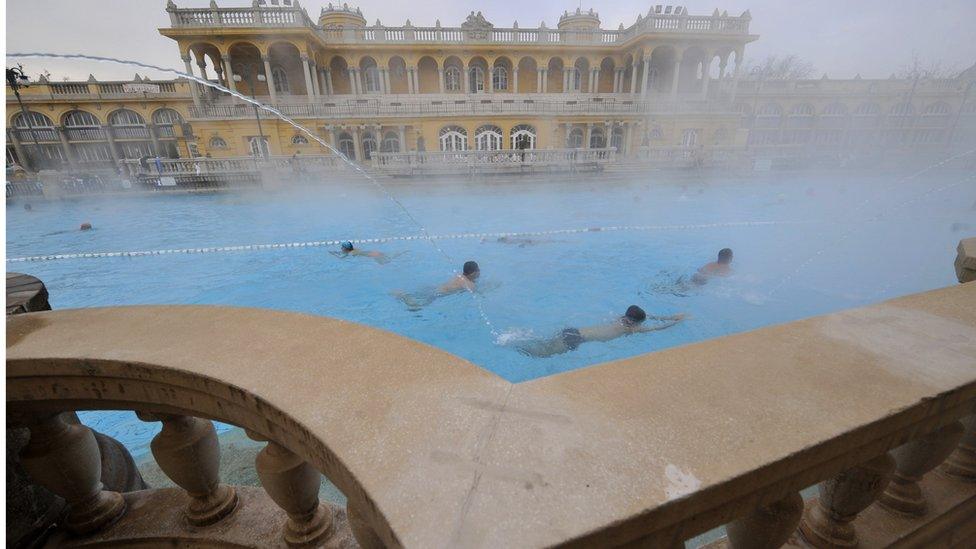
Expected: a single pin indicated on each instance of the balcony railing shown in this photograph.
(85, 134)
(26, 135)
(213, 166)
(130, 132)
(295, 17)
(461, 105)
(482, 162)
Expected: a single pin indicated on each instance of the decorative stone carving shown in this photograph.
(188, 452)
(912, 460)
(294, 485)
(827, 522)
(63, 457)
(961, 464)
(477, 27)
(768, 526)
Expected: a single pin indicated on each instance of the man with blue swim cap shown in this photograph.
(348, 250)
(632, 322)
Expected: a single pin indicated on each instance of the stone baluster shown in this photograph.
(188, 452)
(961, 464)
(64, 458)
(361, 530)
(294, 485)
(769, 526)
(912, 460)
(828, 521)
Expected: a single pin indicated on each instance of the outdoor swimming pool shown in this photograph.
(804, 245)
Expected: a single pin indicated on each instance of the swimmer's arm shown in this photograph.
(677, 317)
(340, 255)
(656, 327)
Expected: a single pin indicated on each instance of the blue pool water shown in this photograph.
(804, 245)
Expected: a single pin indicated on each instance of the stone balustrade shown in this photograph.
(243, 164)
(432, 451)
(463, 105)
(285, 16)
(486, 162)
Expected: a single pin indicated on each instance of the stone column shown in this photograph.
(721, 72)
(912, 460)
(440, 79)
(616, 80)
(194, 87)
(188, 452)
(828, 521)
(545, 80)
(633, 78)
(64, 458)
(314, 70)
(410, 82)
(515, 72)
(587, 136)
(151, 129)
(594, 80)
(565, 80)
(647, 77)
(465, 80)
(674, 80)
(357, 145)
(768, 526)
(293, 484)
(735, 77)
(569, 129)
(308, 77)
(229, 72)
(354, 81)
(538, 80)
(269, 75)
(706, 77)
(66, 147)
(403, 138)
(111, 143)
(320, 78)
(328, 82)
(490, 75)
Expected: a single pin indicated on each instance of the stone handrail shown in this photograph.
(295, 17)
(411, 106)
(478, 160)
(433, 451)
(245, 164)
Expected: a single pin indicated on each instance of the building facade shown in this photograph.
(669, 82)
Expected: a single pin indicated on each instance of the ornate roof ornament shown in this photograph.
(170, 5)
(91, 78)
(213, 4)
(476, 21)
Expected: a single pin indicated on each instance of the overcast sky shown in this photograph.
(840, 37)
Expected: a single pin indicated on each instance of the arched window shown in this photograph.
(81, 119)
(867, 109)
(299, 139)
(488, 138)
(499, 78)
(835, 109)
(346, 146)
(477, 79)
(217, 143)
(598, 139)
(371, 77)
(452, 79)
(369, 145)
(937, 109)
(453, 138)
(391, 143)
(769, 110)
(617, 138)
(128, 125)
(280, 77)
(523, 137)
(575, 139)
(258, 146)
(575, 79)
(166, 116)
(803, 109)
(132, 150)
(37, 120)
(902, 109)
(689, 137)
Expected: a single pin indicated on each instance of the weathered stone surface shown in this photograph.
(663, 445)
(966, 260)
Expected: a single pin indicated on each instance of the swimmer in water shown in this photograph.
(521, 242)
(348, 250)
(28, 207)
(721, 267)
(86, 226)
(466, 281)
(632, 322)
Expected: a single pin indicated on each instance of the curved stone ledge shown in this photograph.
(655, 448)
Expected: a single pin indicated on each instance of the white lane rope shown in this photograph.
(386, 239)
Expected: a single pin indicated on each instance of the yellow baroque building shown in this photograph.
(669, 83)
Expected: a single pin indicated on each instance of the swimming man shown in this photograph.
(632, 322)
(349, 250)
(722, 267)
(466, 281)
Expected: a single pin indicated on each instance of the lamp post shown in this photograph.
(16, 79)
(248, 72)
